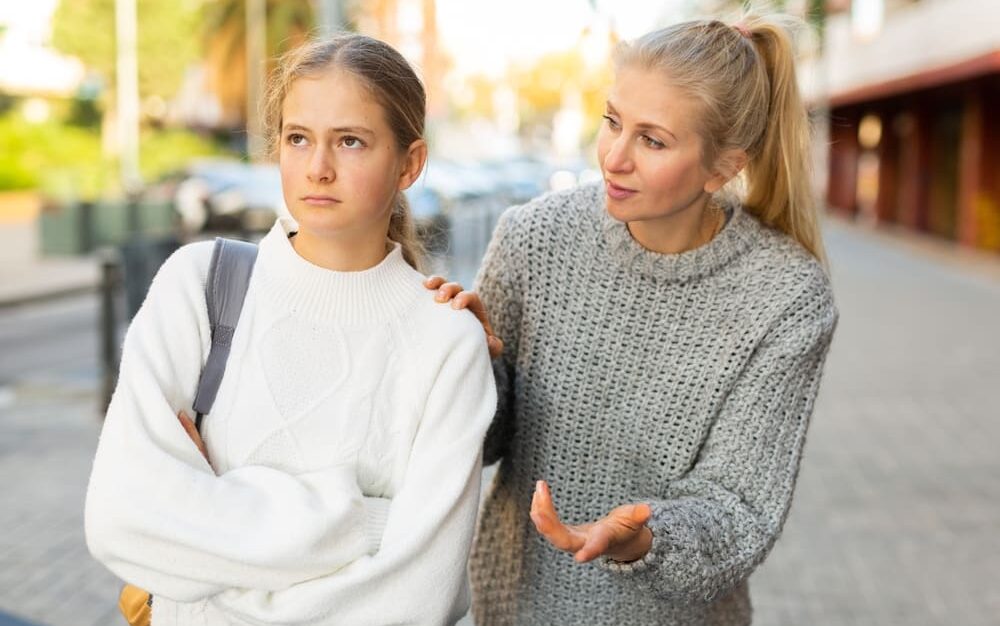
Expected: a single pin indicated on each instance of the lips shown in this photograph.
(320, 200)
(618, 193)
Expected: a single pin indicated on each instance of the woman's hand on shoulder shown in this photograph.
(461, 299)
(621, 535)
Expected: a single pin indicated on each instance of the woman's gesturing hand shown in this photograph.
(621, 535)
(461, 299)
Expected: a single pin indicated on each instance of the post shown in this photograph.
(85, 226)
(256, 47)
(127, 92)
(331, 16)
(110, 282)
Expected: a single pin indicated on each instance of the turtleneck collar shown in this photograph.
(381, 292)
(738, 235)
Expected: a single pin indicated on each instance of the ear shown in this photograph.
(413, 163)
(730, 163)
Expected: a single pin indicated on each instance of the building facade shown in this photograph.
(912, 90)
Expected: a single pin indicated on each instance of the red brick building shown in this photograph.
(913, 93)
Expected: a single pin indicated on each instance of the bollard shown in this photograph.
(85, 227)
(111, 276)
(141, 258)
(133, 216)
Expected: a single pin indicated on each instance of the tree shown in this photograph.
(289, 23)
(167, 43)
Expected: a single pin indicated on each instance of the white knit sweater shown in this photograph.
(345, 447)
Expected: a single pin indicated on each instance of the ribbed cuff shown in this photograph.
(166, 612)
(376, 516)
(639, 565)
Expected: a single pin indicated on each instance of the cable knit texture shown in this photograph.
(685, 381)
(345, 444)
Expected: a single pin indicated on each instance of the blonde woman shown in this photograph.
(346, 438)
(660, 347)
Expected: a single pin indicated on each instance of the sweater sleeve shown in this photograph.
(500, 285)
(418, 576)
(158, 516)
(714, 525)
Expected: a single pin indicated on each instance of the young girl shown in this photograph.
(345, 439)
(662, 347)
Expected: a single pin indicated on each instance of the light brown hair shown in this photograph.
(391, 81)
(742, 78)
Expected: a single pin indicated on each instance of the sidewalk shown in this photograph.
(26, 276)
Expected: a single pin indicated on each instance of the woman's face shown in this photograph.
(340, 166)
(649, 152)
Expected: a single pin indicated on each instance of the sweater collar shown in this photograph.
(382, 292)
(738, 235)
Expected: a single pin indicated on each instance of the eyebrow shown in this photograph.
(357, 130)
(643, 125)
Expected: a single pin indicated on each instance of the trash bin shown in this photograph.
(141, 258)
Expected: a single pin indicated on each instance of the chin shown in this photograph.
(618, 210)
(317, 227)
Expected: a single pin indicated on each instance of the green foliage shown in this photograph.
(67, 161)
(163, 151)
(168, 39)
(34, 151)
(84, 112)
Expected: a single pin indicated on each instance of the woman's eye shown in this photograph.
(653, 143)
(352, 142)
(297, 139)
(612, 123)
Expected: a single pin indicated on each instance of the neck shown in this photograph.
(681, 231)
(341, 254)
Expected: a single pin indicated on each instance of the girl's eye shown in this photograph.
(653, 143)
(612, 123)
(352, 142)
(297, 139)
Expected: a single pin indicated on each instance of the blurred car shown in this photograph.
(520, 178)
(224, 195)
(427, 206)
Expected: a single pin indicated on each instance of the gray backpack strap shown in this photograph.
(226, 288)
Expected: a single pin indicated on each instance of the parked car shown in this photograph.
(224, 195)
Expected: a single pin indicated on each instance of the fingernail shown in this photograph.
(538, 486)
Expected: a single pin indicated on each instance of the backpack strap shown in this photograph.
(226, 288)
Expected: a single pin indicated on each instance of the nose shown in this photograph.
(619, 157)
(321, 170)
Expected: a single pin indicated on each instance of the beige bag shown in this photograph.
(136, 605)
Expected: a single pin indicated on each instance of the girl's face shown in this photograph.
(649, 152)
(340, 166)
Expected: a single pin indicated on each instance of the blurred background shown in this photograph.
(130, 127)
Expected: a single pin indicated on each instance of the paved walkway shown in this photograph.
(26, 276)
(897, 515)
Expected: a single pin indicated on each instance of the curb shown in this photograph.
(10, 302)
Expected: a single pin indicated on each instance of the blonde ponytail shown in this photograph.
(743, 78)
(403, 231)
(779, 177)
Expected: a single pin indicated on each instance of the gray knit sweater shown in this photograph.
(686, 381)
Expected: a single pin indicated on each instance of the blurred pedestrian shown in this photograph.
(345, 444)
(661, 345)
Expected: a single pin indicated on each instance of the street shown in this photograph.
(896, 519)
(53, 340)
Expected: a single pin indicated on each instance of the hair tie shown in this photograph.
(743, 30)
